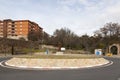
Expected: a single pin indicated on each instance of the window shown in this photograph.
(12, 32)
(13, 28)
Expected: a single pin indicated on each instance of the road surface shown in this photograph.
(111, 72)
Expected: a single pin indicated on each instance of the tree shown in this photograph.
(65, 37)
(110, 29)
(45, 38)
(35, 35)
(22, 39)
(107, 35)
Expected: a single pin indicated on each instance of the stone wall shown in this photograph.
(117, 46)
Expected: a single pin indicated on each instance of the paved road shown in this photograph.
(111, 72)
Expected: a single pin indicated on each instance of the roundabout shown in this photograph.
(94, 73)
(53, 64)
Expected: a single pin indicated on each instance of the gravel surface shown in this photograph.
(56, 62)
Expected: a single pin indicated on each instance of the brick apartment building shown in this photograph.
(16, 29)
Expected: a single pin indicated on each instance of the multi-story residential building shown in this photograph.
(18, 29)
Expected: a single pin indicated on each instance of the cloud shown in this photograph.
(81, 16)
(85, 16)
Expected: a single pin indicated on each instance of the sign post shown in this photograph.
(98, 52)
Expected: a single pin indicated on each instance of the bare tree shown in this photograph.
(65, 37)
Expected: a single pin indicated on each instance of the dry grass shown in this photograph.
(59, 56)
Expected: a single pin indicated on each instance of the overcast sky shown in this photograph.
(81, 16)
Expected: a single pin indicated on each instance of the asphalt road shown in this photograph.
(111, 72)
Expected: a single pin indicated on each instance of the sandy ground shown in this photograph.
(56, 62)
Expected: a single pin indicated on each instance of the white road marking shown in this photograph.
(111, 62)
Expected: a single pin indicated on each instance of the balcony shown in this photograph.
(1, 23)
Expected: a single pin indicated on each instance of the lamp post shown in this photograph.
(4, 46)
(12, 48)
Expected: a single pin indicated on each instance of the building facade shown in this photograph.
(18, 29)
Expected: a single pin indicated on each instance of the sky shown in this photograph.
(80, 16)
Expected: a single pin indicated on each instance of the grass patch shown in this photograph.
(27, 50)
(60, 56)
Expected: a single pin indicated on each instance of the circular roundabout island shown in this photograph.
(56, 62)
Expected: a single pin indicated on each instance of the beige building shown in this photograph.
(18, 29)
